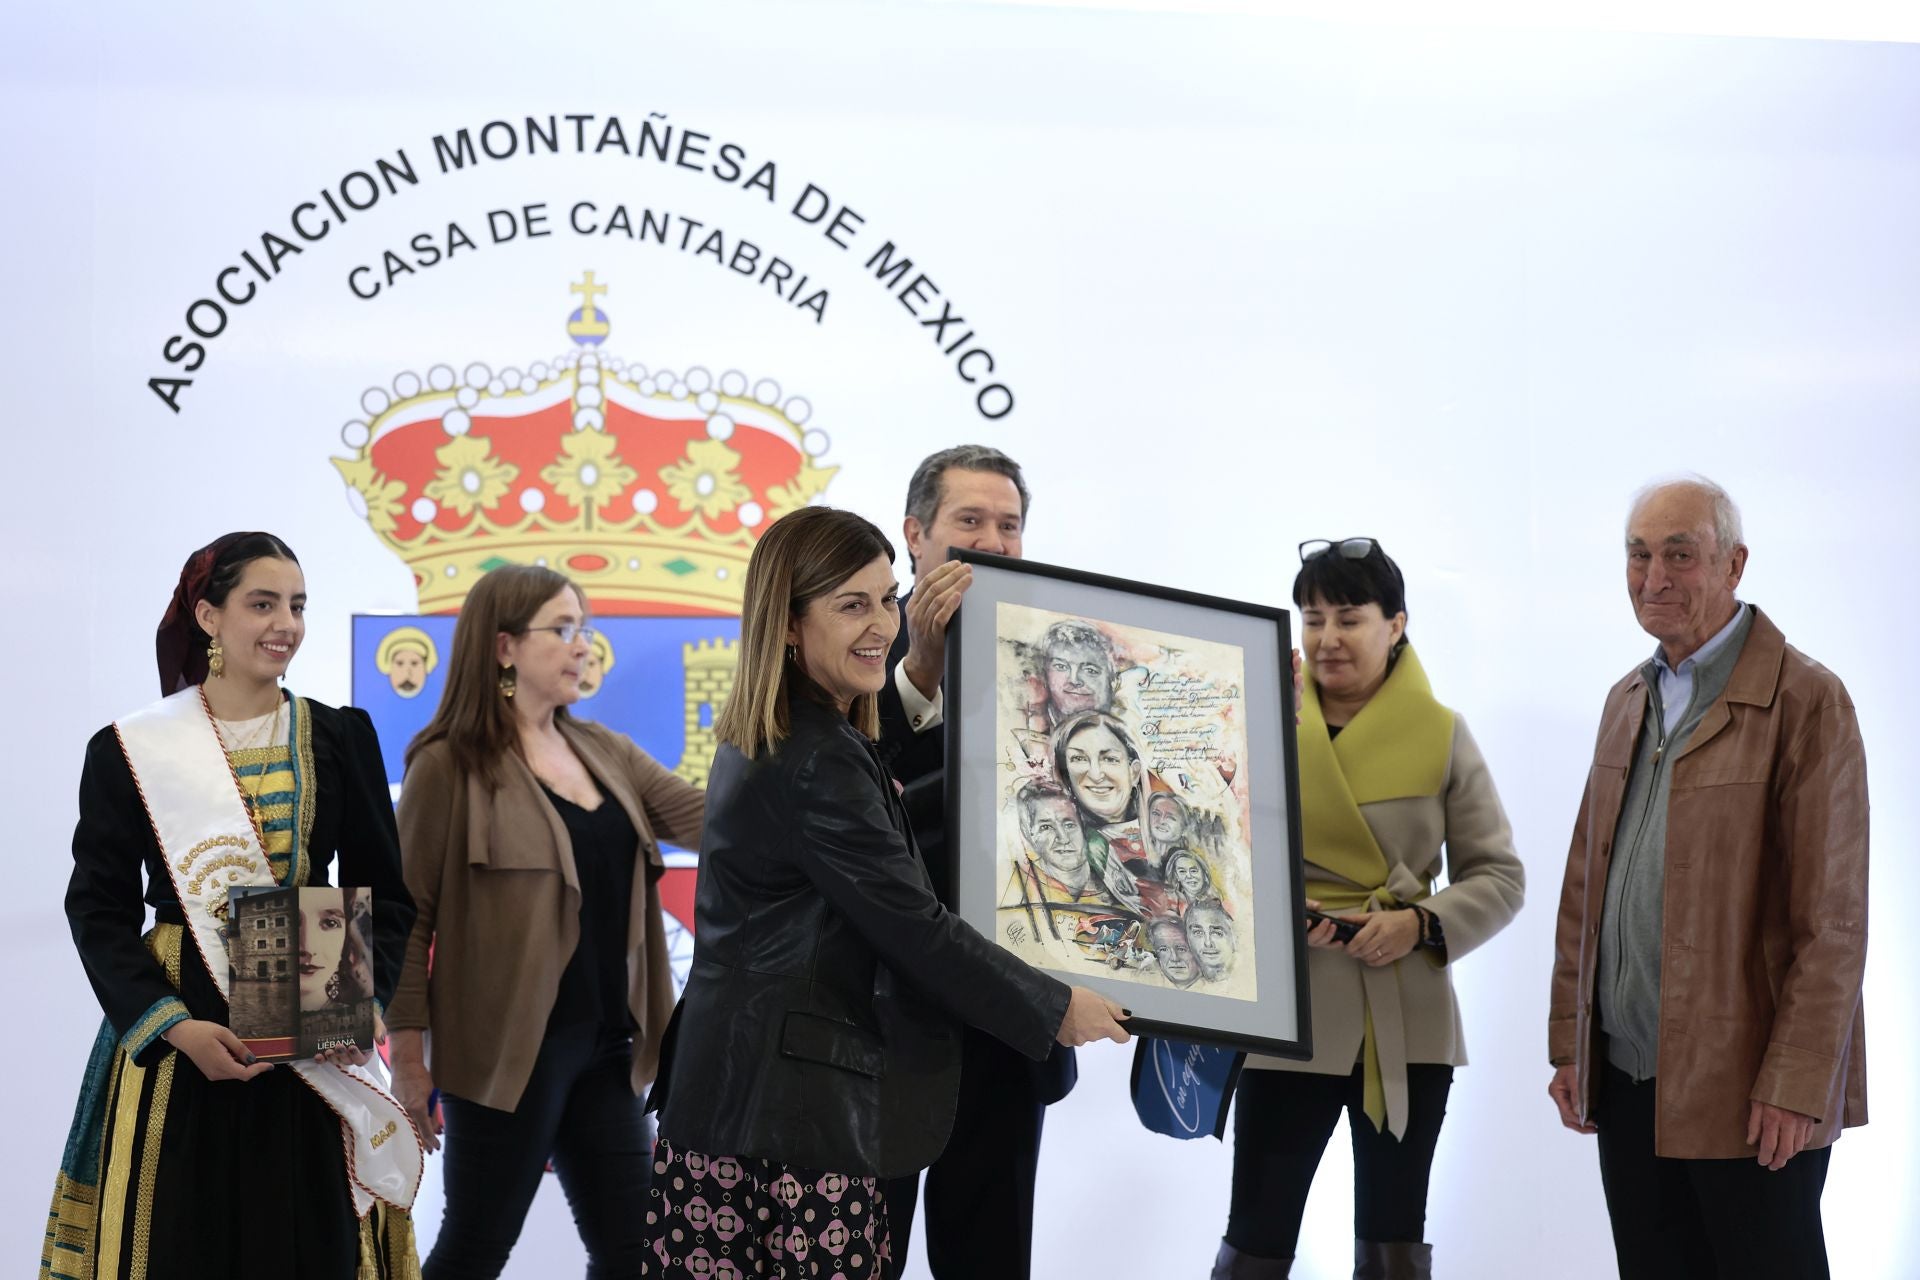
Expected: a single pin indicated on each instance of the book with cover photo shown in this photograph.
(301, 970)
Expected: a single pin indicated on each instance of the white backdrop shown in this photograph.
(1257, 279)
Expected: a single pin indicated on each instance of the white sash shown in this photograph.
(209, 844)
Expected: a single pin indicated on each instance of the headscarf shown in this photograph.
(179, 645)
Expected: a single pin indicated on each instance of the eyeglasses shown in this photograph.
(569, 632)
(1349, 548)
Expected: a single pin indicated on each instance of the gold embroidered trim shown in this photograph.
(163, 944)
(211, 842)
(268, 756)
(387, 1248)
(118, 1165)
(164, 1013)
(307, 784)
(70, 1231)
(150, 1162)
(236, 862)
(85, 1225)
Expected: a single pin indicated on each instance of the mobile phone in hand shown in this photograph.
(1343, 930)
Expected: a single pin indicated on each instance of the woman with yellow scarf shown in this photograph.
(1390, 780)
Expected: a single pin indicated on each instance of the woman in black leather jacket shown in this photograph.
(816, 1049)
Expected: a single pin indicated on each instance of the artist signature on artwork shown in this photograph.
(1016, 932)
(1178, 1082)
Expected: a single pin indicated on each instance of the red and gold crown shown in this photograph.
(646, 486)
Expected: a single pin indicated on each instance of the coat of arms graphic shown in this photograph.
(646, 486)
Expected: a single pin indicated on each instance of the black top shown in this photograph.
(817, 1023)
(593, 986)
(114, 844)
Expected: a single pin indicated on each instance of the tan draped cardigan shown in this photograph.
(493, 875)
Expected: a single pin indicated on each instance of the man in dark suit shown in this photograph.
(980, 1191)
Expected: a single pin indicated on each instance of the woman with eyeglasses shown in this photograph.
(1391, 786)
(539, 959)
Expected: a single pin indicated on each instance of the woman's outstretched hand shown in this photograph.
(1091, 1016)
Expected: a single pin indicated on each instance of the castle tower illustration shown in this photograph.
(710, 667)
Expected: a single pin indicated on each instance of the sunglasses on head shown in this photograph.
(1349, 548)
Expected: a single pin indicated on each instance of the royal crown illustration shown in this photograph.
(646, 486)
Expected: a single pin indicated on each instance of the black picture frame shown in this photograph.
(1003, 779)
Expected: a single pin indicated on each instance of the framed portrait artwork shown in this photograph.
(1123, 803)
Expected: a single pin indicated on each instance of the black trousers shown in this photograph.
(980, 1191)
(1281, 1123)
(1697, 1219)
(578, 1108)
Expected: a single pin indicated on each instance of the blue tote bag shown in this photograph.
(1183, 1090)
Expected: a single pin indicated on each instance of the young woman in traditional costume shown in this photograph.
(187, 1157)
(1388, 778)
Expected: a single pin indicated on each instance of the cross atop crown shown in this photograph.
(588, 324)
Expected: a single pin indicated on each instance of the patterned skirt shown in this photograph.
(731, 1218)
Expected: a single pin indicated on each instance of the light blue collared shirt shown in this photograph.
(1676, 686)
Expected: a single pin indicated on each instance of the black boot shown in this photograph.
(1231, 1264)
(1395, 1260)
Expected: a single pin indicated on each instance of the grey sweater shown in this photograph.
(1630, 928)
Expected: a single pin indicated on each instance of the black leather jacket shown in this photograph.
(817, 1026)
(919, 760)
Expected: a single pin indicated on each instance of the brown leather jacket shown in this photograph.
(1765, 930)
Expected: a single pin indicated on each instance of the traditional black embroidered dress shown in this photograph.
(167, 1174)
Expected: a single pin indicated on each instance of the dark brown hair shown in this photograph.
(473, 716)
(928, 488)
(1078, 723)
(210, 574)
(801, 557)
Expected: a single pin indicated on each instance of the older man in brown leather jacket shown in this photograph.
(1706, 1017)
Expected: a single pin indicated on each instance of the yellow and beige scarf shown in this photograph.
(1399, 746)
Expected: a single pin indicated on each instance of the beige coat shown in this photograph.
(1485, 886)
(499, 898)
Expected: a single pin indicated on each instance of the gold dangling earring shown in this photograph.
(216, 658)
(507, 679)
